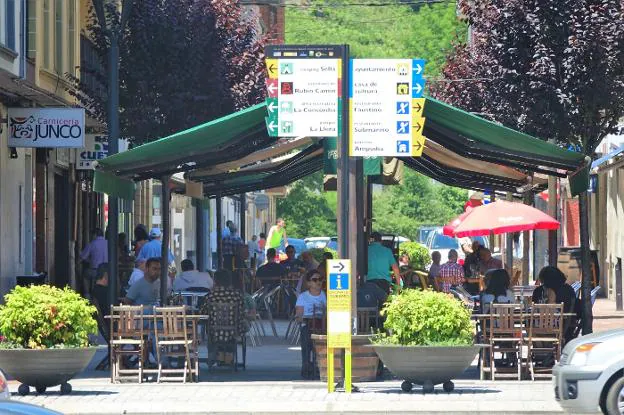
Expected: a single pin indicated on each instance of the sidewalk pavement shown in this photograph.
(606, 317)
(98, 396)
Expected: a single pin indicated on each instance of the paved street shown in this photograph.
(98, 396)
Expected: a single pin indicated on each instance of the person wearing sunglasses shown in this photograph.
(310, 311)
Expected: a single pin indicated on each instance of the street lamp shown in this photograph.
(113, 21)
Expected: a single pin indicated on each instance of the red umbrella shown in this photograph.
(500, 217)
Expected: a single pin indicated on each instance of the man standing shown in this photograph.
(276, 234)
(254, 251)
(153, 249)
(146, 291)
(380, 261)
(451, 273)
(95, 253)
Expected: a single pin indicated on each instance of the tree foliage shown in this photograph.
(553, 69)
(182, 62)
(388, 31)
(418, 201)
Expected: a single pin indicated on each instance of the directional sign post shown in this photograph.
(304, 90)
(386, 107)
(339, 318)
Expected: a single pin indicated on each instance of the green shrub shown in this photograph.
(426, 318)
(419, 258)
(317, 253)
(42, 317)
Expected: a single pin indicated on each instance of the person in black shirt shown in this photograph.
(271, 272)
(555, 290)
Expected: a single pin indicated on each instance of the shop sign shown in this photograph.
(47, 127)
(96, 148)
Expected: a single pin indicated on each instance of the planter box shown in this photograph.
(424, 365)
(45, 367)
(364, 360)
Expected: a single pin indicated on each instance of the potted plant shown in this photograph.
(429, 339)
(45, 336)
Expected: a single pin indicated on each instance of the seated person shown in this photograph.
(310, 310)
(434, 269)
(224, 292)
(292, 264)
(271, 272)
(146, 291)
(554, 289)
(471, 267)
(451, 273)
(497, 290)
(190, 278)
(487, 261)
(307, 261)
(100, 297)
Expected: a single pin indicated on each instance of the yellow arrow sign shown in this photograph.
(418, 145)
(418, 106)
(271, 65)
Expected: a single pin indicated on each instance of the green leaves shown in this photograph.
(42, 317)
(426, 318)
(418, 254)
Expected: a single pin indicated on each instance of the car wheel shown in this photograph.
(615, 398)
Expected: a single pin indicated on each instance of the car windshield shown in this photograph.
(319, 243)
(444, 242)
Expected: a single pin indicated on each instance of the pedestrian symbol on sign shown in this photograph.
(403, 108)
(402, 127)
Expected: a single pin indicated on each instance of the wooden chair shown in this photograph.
(224, 331)
(127, 338)
(174, 339)
(503, 334)
(544, 335)
(368, 320)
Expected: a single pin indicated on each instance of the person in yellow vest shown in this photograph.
(276, 234)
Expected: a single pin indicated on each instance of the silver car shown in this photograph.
(590, 376)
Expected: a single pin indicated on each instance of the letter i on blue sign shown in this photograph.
(338, 281)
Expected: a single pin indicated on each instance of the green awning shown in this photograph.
(227, 138)
(110, 184)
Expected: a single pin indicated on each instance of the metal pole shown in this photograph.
(219, 232)
(586, 285)
(552, 211)
(343, 163)
(113, 148)
(199, 235)
(243, 218)
(526, 241)
(509, 254)
(164, 250)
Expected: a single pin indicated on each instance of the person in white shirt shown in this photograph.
(309, 309)
(192, 278)
(138, 272)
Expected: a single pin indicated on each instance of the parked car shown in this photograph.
(4, 388)
(317, 242)
(423, 233)
(437, 241)
(590, 374)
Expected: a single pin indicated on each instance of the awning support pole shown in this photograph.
(526, 242)
(509, 251)
(586, 285)
(243, 217)
(164, 249)
(553, 253)
(219, 213)
(199, 235)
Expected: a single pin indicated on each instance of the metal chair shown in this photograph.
(127, 338)
(174, 340)
(544, 336)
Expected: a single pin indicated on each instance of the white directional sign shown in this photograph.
(386, 107)
(308, 97)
